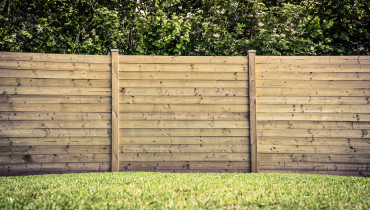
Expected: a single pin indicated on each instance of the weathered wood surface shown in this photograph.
(209, 100)
(318, 84)
(184, 67)
(185, 116)
(302, 60)
(320, 149)
(186, 165)
(184, 148)
(54, 74)
(54, 167)
(152, 108)
(313, 92)
(181, 124)
(140, 59)
(54, 66)
(177, 75)
(308, 108)
(273, 124)
(68, 58)
(314, 116)
(183, 91)
(56, 83)
(70, 116)
(313, 76)
(57, 141)
(115, 110)
(358, 142)
(313, 67)
(55, 158)
(168, 140)
(83, 108)
(253, 110)
(183, 132)
(54, 91)
(52, 132)
(54, 124)
(363, 133)
(152, 156)
(50, 99)
(16, 150)
(324, 158)
(176, 83)
(333, 100)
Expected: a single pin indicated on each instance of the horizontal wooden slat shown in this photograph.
(54, 124)
(182, 75)
(26, 141)
(321, 149)
(312, 166)
(191, 165)
(312, 76)
(184, 67)
(183, 132)
(176, 83)
(49, 99)
(325, 158)
(301, 60)
(184, 157)
(314, 116)
(54, 91)
(47, 132)
(56, 107)
(54, 74)
(272, 124)
(185, 116)
(183, 91)
(183, 140)
(15, 56)
(184, 148)
(314, 108)
(55, 158)
(56, 167)
(364, 133)
(54, 116)
(23, 82)
(314, 141)
(313, 67)
(16, 150)
(53, 66)
(182, 108)
(312, 92)
(305, 84)
(314, 100)
(182, 124)
(183, 59)
(182, 100)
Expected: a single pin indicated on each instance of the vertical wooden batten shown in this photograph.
(253, 110)
(115, 110)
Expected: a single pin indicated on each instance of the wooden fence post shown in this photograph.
(253, 110)
(115, 110)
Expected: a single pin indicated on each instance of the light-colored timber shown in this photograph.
(185, 116)
(152, 156)
(183, 100)
(182, 91)
(304, 108)
(334, 100)
(54, 74)
(52, 66)
(253, 110)
(76, 116)
(55, 158)
(313, 76)
(320, 149)
(220, 83)
(53, 149)
(28, 141)
(313, 60)
(53, 132)
(183, 59)
(115, 111)
(57, 83)
(181, 75)
(313, 67)
(184, 67)
(182, 124)
(54, 124)
(181, 148)
(50, 99)
(318, 84)
(54, 91)
(313, 92)
(131, 108)
(324, 158)
(183, 132)
(187, 165)
(57, 167)
(363, 133)
(314, 116)
(358, 142)
(158, 140)
(274, 124)
(56, 107)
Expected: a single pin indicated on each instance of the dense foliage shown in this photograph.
(192, 27)
(148, 190)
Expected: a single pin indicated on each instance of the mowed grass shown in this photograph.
(146, 190)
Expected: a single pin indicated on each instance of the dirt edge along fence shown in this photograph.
(85, 113)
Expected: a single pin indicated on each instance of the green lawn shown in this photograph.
(184, 191)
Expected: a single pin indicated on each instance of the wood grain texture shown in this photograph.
(313, 92)
(184, 67)
(253, 110)
(182, 100)
(183, 91)
(54, 66)
(115, 111)
(358, 142)
(313, 76)
(75, 116)
(334, 100)
(15, 56)
(83, 108)
(318, 84)
(184, 148)
(152, 108)
(279, 124)
(313, 67)
(54, 91)
(303, 108)
(57, 141)
(50, 99)
(314, 116)
(363, 133)
(176, 83)
(55, 158)
(48, 132)
(168, 157)
(301, 60)
(182, 124)
(54, 74)
(54, 124)
(55, 167)
(185, 116)
(320, 149)
(16, 150)
(185, 165)
(141, 59)
(57, 83)
(180, 75)
(140, 132)
(324, 158)
(158, 140)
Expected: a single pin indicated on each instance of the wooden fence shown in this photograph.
(74, 113)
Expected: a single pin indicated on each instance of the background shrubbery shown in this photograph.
(192, 27)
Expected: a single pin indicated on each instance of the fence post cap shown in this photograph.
(114, 50)
(252, 51)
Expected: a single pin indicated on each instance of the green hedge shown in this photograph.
(192, 27)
